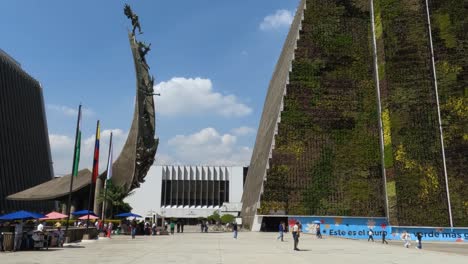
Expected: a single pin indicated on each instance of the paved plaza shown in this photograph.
(251, 247)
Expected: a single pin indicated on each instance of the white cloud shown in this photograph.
(281, 18)
(208, 146)
(164, 159)
(68, 111)
(62, 150)
(243, 130)
(182, 96)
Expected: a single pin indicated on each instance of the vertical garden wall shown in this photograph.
(326, 159)
(449, 20)
(413, 151)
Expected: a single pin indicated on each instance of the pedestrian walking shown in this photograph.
(281, 231)
(371, 235)
(296, 233)
(1, 238)
(384, 234)
(109, 229)
(234, 230)
(133, 228)
(406, 238)
(18, 235)
(318, 233)
(419, 236)
(172, 227)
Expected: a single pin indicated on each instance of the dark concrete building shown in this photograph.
(25, 159)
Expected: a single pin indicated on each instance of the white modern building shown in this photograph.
(189, 191)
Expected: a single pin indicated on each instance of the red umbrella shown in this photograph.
(91, 217)
(53, 216)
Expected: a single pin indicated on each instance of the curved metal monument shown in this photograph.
(137, 156)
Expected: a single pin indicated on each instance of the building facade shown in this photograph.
(190, 192)
(365, 116)
(25, 158)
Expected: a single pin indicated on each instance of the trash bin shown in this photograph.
(8, 241)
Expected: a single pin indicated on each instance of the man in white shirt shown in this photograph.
(153, 229)
(296, 233)
(40, 227)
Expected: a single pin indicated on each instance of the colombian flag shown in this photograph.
(96, 153)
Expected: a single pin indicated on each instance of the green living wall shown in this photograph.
(413, 156)
(326, 159)
(449, 20)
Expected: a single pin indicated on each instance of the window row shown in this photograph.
(194, 193)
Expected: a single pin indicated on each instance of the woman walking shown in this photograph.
(281, 231)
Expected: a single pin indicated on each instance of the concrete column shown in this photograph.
(64, 208)
(97, 192)
(73, 206)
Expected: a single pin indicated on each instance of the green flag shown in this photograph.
(77, 145)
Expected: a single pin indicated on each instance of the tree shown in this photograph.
(115, 199)
(214, 217)
(227, 218)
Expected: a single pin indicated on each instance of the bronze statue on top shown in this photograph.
(143, 49)
(135, 23)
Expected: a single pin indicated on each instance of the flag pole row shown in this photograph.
(95, 169)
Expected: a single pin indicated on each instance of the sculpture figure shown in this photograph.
(143, 49)
(132, 16)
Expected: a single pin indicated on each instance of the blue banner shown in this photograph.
(358, 228)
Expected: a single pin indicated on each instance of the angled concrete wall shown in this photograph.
(269, 122)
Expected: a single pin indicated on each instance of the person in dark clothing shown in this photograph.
(234, 229)
(296, 231)
(182, 226)
(419, 236)
(318, 232)
(178, 226)
(281, 231)
(384, 234)
(371, 235)
(1, 241)
(133, 228)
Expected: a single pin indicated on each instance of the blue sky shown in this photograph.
(212, 61)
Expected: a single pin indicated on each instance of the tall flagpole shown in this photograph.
(95, 172)
(379, 110)
(441, 132)
(109, 175)
(73, 170)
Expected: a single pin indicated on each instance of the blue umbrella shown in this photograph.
(129, 214)
(21, 215)
(317, 222)
(83, 212)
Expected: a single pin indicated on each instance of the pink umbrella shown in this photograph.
(91, 217)
(53, 216)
